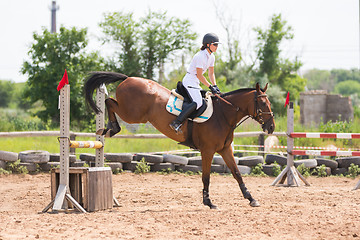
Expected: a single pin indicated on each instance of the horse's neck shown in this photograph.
(241, 100)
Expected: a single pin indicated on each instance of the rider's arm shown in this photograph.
(200, 76)
(212, 76)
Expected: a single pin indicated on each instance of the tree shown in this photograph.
(347, 88)
(50, 55)
(147, 44)
(6, 93)
(279, 71)
(233, 52)
(340, 75)
(124, 30)
(319, 80)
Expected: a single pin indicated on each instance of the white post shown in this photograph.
(290, 141)
(100, 122)
(63, 192)
(290, 172)
(59, 202)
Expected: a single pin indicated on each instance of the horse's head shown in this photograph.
(262, 110)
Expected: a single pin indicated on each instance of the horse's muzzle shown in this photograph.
(269, 126)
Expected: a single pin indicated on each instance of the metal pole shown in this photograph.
(53, 9)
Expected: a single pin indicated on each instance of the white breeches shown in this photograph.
(192, 84)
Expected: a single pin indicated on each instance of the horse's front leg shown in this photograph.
(206, 159)
(228, 156)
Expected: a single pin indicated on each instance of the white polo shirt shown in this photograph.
(202, 59)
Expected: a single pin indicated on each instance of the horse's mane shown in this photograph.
(241, 90)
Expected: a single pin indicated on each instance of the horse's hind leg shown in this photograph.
(206, 159)
(113, 126)
(228, 157)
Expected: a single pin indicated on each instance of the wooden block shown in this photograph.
(90, 187)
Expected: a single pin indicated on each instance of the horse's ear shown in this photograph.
(257, 87)
(265, 88)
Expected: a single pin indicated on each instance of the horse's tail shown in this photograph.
(95, 80)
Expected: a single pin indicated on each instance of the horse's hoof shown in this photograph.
(101, 131)
(108, 134)
(213, 206)
(254, 203)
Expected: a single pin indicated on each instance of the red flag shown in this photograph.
(287, 100)
(63, 81)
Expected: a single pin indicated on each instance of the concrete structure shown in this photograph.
(317, 106)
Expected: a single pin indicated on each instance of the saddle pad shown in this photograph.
(175, 102)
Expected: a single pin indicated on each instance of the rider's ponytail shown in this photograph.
(203, 47)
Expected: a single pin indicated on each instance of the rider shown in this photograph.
(202, 61)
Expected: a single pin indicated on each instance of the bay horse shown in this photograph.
(141, 100)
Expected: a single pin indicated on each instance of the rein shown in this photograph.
(257, 112)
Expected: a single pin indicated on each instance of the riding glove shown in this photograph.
(214, 89)
(217, 88)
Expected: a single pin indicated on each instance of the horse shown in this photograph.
(140, 100)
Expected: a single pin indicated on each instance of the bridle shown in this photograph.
(258, 113)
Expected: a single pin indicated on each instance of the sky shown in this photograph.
(326, 32)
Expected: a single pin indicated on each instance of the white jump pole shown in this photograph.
(290, 173)
(63, 196)
(100, 123)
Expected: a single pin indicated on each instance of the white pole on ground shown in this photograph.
(357, 186)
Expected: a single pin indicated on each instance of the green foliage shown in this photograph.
(148, 43)
(278, 70)
(277, 98)
(319, 79)
(50, 55)
(353, 170)
(17, 120)
(142, 167)
(357, 112)
(336, 127)
(117, 171)
(165, 171)
(327, 80)
(276, 169)
(4, 172)
(321, 171)
(122, 28)
(347, 87)
(15, 167)
(6, 93)
(294, 84)
(258, 171)
(191, 173)
(341, 75)
(303, 170)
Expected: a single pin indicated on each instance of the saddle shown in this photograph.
(180, 97)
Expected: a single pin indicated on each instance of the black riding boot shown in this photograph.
(176, 124)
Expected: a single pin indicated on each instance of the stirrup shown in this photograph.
(176, 127)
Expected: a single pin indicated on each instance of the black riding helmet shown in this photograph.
(210, 38)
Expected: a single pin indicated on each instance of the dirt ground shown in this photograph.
(155, 206)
